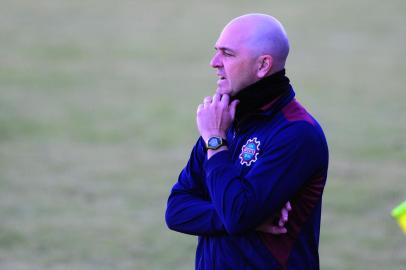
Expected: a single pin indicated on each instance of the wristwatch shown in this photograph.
(215, 142)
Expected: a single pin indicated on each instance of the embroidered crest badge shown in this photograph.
(249, 152)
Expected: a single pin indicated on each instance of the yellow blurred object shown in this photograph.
(399, 213)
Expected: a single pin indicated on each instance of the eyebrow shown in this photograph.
(224, 49)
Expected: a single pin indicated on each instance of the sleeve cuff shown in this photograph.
(217, 161)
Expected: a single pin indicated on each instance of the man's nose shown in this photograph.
(215, 61)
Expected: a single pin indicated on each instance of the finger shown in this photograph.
(216, 97)
(279, 230)
(281, 222)
(272, 229)
(208, 99)
(285, 215)
(288, 206)
(199, 108)
(225, 99)
(233, 108)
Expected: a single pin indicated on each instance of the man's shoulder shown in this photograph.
(296, 125)
(291, 118)
(294, 112)
(297, 119)
(291, 115)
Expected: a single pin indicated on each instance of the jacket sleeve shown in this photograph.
(282, 168)
(189, 209)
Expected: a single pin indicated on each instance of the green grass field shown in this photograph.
(97, 118)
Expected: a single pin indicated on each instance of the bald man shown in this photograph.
(259, 149)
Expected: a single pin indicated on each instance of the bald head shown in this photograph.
(262, 34)
(249, 48)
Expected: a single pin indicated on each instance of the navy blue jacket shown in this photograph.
(276, 155)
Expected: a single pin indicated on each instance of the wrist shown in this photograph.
(219, 134)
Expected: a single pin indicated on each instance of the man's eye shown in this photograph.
(227, 54)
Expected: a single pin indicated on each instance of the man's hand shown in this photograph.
(215, 116)
(269, 226)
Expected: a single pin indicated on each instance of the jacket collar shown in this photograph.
(264, 97)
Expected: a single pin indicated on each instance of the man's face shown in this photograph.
(234, 60)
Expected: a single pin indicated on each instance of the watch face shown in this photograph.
(214, 142)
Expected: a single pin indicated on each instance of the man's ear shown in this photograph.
(264, 65)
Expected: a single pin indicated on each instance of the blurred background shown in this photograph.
(97, 118)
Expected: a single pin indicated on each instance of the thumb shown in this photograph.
(233, 107)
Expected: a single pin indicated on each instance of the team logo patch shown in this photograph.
(249, 152)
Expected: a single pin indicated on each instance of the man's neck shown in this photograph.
(259, 94)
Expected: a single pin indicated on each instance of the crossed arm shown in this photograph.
(191, 211)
